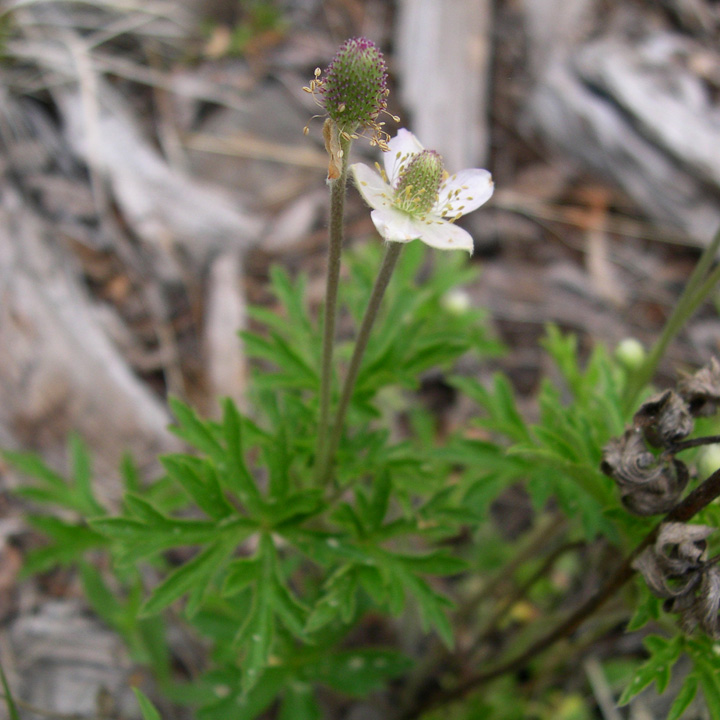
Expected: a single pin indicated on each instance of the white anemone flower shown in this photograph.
(413, 197)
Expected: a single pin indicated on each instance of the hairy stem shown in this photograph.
(693, 442)
(337, 212)
(695, 501)
(392, 253)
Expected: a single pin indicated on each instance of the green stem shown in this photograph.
(337, 213)
(696, 290)
(392, 252)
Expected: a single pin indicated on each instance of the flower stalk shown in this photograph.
(337, 213)
(392, 253)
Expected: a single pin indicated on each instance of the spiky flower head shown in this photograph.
(355, 85)
(353, 90)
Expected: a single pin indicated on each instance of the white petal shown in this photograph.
(375, 191)
(464, 192)
(395, 226)
(402, 147)
(445, 235)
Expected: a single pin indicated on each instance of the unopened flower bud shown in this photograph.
(630, 353)
(456, 301)
(708, 461)
(664, 419)
(648, 485)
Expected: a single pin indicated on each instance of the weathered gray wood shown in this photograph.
(634, 110)
(64, 660)
(443, 51)
(669, 104)
(58, 370)
(225, 316)
(163, 206)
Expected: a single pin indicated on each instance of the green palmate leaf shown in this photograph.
(433, 609)
(563, 349)
(294, 507)
(146, 707)
(359, 672)
(102, 600)
(379, 500)
(194, 574)
(150, 531)
(299, 703)
(292, 298)
(82, 475)
(144, 510)
(256, 636)
(276, 451)
(435, 351)
(236, 475)
(291, 612)
(339, 599)
(499, 403)
(710, 684)
(647, 608)
(372, 581)
(684, 698)
(70, 542)
(52, 488)
(706, 669)
(238, 703)
(271, 601)
(399, 576)
(32, 465)
(240, 574)
(297, 372)
(325, 548)
(346, 516)
(130, 473)
(663, 655)
(195, 431)
(200, 481)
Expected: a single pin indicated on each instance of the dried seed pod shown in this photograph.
(708, 609)
(672, 567)
(664, 419)
(700, 609)
(648, 485)
(676, 569)
(701, 391)
(683, 547)
(661, 583)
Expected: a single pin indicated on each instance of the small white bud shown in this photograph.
(456, 301)
(708, 461)
(630, 353)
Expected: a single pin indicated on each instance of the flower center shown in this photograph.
(417, 188)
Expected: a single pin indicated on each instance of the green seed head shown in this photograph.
(417, 188)
(354, 88)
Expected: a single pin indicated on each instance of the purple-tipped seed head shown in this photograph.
(354, 87)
